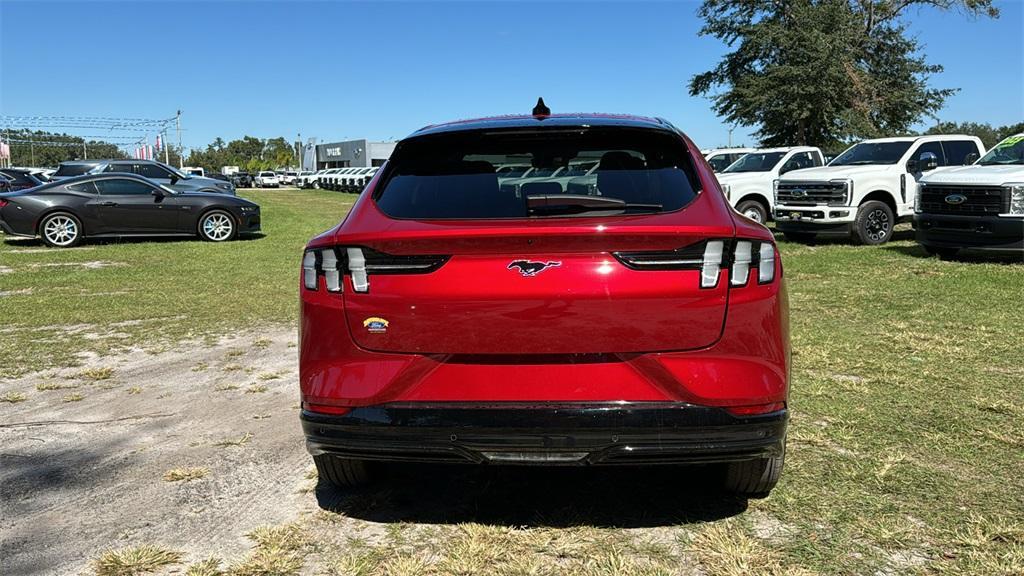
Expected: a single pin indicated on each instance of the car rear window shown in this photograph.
(553, 172)
(73, 169)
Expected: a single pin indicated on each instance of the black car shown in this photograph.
(22, 179)
(117, 204)
(241, 180)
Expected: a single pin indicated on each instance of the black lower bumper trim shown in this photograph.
(567, 434)
(824, 228)
(990, 233)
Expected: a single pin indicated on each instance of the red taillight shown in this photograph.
(3, 202)
(741, 256)
(359, 264)
(756, 409)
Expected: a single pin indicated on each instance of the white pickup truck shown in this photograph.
(747, 183)
(977, 207)
(867, 189)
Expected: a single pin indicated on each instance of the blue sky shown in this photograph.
(381, 70)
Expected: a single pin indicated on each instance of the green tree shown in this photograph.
(40, 148)
(821, 72)
(989, 135)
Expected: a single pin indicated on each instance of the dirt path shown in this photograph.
(78, 476)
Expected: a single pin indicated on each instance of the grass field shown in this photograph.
(906, 448)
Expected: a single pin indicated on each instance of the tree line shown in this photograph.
(248, 153)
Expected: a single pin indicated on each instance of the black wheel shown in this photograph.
(754, 210)
(217, 226)
(316, 184)
(342, 472)
(874, 223)
(754, 478)
(802, 237)
(61, 230)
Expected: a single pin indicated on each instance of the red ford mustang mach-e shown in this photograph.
(493, 298)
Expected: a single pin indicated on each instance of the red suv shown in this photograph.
(552, 313)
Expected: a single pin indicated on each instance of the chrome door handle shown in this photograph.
(108, 203)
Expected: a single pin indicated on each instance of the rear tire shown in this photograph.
(342, 472)
(754, 478)
(754, 210)
(61, 230)
(874, 224)
(801, 237)
(316, 185)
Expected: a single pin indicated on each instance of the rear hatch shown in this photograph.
(442, 261)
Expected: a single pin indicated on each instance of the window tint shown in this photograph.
(721, 162)
(152, 171)
(122, 167)
(801, 160)
(122, 187)
(934, 148)
(873, 153)
(756, 162)
(816, 159)
(73, 169)
(957, 151)
(86, 187)
(454, 175)
(18, 177)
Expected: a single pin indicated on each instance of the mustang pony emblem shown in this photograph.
(527, 268)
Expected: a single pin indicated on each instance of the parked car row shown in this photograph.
(351, 179)
(956, 195)
(156, 171)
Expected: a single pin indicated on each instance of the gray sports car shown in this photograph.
(117, 204)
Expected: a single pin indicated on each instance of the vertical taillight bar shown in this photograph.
(740, 264)
(766, 263)
(309, 272)
(357, 268)
(712, 263)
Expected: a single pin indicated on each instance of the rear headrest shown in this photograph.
(618, 160)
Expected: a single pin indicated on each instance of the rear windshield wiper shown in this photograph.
(578, 203)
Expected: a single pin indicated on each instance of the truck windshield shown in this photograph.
(755, 162)
(1009, 151)
(872, 153)
(455, 176)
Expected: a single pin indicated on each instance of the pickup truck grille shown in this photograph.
(978, 200)
(812, 193)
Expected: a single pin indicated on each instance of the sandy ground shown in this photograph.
(80, 476)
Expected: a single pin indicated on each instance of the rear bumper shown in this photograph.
(990, 233)
(546, 434)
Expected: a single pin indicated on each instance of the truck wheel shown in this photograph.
(801, 237)
(874, 223)
(754, 478)
(316, 184)
(342, 472)
(754, 210)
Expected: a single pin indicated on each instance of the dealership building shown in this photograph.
(350, 153)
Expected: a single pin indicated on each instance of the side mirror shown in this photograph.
(158, 193)
(971, 158)
(927, 161)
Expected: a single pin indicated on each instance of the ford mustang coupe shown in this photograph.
(450, 319)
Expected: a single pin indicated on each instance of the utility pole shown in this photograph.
(730, 137)
(32, 148)
(85, 151)
(167, 153)
(181, 153)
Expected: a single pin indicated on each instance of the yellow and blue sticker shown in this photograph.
(375, 325)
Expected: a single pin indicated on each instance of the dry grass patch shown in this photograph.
(240, 441)
(76, 397)
(225, 387)
(725, 549)
(47, 386)
(262, 343)
(137, 560)
(278, 551)
(96, 374)
(269, 376)
(12, 397)
(256, 389)
(135, 390)
(232, 368)
(208, 567)
(185, 474)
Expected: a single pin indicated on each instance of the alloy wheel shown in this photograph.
(217, 227)
(61, 230)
